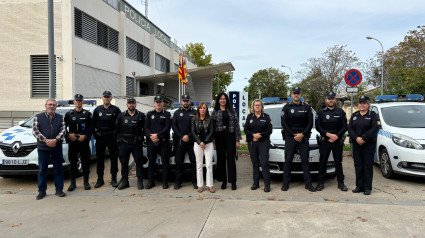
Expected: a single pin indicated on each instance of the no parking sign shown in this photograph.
(353, 77)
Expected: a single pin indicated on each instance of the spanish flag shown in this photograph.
(184, 70)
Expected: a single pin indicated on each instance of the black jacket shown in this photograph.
(208, 130)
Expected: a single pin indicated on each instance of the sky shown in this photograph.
(255, 35)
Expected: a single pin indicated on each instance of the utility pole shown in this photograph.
(51, 42)
(146, 7)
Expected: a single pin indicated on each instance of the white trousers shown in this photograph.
(199, 154)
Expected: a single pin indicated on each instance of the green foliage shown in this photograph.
(269, 83)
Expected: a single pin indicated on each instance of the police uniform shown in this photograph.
(297, 118)
(181, 125)
(158, 123)
(104, 122)
(332, 121)
(365, 126)
(130, 134)
(79, 122)
(259, 150)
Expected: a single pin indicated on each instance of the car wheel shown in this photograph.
(385, 164)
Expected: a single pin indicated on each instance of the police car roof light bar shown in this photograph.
(399, 98)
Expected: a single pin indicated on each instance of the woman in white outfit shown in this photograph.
(202, 132)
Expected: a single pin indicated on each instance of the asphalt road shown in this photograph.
(395, 209)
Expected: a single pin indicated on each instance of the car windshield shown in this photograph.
(275, 113)
(30, 121)
(406, 116)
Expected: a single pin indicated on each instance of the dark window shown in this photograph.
(143, 89)
(40, 75)
(136, 51)
(129, 86)
(162, 64)
(102, 35)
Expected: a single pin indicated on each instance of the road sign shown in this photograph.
(353, 77)
(352, 89)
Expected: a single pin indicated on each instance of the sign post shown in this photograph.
(239, 101)
(353, 77)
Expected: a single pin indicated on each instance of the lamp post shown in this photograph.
(382, 70)
(290, 77)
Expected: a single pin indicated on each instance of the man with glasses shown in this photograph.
(183, 139)
(104, 122)
(78, 122)
(49, 129)
(297, 122)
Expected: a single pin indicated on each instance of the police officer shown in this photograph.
(78, 123)
(104, 121)
(130, 132)
(183, 139)
(363, 129)
(331, 123)
(157, 128)
(258, 128)
(297, 121)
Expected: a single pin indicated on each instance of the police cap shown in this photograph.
(330, 95)
(185, 96)
(157, 99)
(107, 94)
(78, 97)
(130, 99)
(364, 99)
(296, 90)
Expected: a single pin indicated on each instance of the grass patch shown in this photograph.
(347, 147)
(244, 147)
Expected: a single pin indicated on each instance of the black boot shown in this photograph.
(99, 182)
(342, 187)
(114, 182)
(285, 187)
(310, 187)
(124, 183)
(150, 185)
(266, 187)
(234, 187)
(86, 182)
(140, 183)
(72, 186)
(320, 186)
(255, 185)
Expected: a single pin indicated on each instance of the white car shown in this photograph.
(273, 107)
(400, 143)
(18, 146)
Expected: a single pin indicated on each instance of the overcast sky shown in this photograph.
(255, 35)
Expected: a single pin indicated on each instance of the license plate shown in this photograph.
(15, 162)
(297, 158)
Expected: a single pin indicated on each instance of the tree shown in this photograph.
(268, 83)
(201, 58)
(326, 73)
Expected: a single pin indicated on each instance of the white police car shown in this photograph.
(273, 106)
(400, 143)
(18, 146)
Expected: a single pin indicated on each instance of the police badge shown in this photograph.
(251, 121)
(292, 110)
(181, 114)
(327, 117)
(73, 118)
(354, 118)
(125, 121)
(100, 114)
(153, 117)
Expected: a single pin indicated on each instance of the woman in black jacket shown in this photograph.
(202, 132)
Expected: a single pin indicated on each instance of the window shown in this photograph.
(96, 32)
(143, 89)
(136, 51)
(176, 67)
(129, 86)
(112, 3)
(40, 75)
(161, 63)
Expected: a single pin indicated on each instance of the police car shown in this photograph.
(18, 146)
(400, 147)
(273, 106)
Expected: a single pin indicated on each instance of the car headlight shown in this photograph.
(406, 142)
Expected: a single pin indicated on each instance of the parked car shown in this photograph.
(400, 147)
(273, 107)
(18, 146)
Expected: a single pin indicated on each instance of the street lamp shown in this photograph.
(382, 71)
(290, 77)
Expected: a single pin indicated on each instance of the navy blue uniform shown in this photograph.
(332, 121)
(365, 126)
(104, 123)
(130, 134)
(79, 123)
(181, 125)
(296, 118)
(259, 150)
(158, 123)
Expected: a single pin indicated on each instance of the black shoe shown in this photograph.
(72, 186)
(285, 187)
(140, 184)
(234, 186)
(367, 192)
(87, 186)
(223, 185)
(357, 190)
(99, 183)
(177, 186)
(267, 188)
(165, 186)
(310, 187)
(320, 186)
(195, 186)
(150, 185)
(40, 195)
(342, 187)
(255, 186)
(60, 194)
(114, 182)
(124, 184)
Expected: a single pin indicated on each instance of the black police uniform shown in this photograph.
(181, 125)
(259, 150)
(365, 126)
(104, 122)
(332, 121)
(130, 134)
(158, 123)
(79, 123)
(296, 118)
